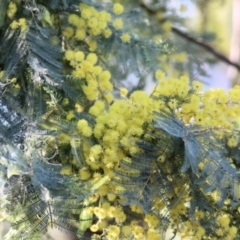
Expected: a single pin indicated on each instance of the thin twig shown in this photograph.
(206, 46)
(198, 42)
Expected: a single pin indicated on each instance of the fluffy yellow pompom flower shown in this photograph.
(82, 124)
(64, 138)
(232, 142)
(102, 25)
(84, 174)
(120, 215)
(14, 25)
(68, 32)
(107, 33)
(125, 38)
(233, 231)
(70, 116)
(73, 19)
(197, 86)
(22, 21)
(94, 228)
(113, 230)
(123, 92)
(92, 45)
(87, 12)
(100, 212)
(96, 150)
(118, 8)
(105, 75)
(80, 34)
(69, 55)
(151, 220)
(118, 24)
(12, 9)
(127, 230)
(136, 208)
(23, 24)
(97, 108)
(109, 97)
(104, 16)
(223, 221)
(234, 93)
(87, 131)
(111, 197)
(153, 235)
(79, 56)
(159, 75)
(92, 57)
(67, 170)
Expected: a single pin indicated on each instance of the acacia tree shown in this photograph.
(88, 152)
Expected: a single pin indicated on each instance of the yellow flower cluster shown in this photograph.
(232, 142)
(12, 9)
(214, 109)
(118, 23)
(84, 128)
(90, 23)
(224, 229)
(98, 81)
(122, 123)
(118, 8)
(22, 23)
(125, 38)
(119, 124)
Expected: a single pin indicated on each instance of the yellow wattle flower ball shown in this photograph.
(82, 124)
(73, 19)
(118, 24)
(107, 32)
(14, 25)
(125, 38)
(79, 56)
(68, 32)
(94, 228)
(87, 131)
(84, 174)
(80, 34)
(123, 92)
(92, 57)
(118, 8)
(232, 142)
(12, 9)
(69, 55)
(197, 86)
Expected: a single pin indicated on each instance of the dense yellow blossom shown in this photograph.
(118, 124)
(232, 142)
(84, 174)
(68, 32)
(14, 25)
(94, 228)
(23, 24)
(12, 9)
(80, 34)
(118, 8)
(125, 38)
(118, 24)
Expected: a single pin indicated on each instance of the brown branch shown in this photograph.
(206, 46)
(198, 42)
